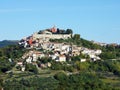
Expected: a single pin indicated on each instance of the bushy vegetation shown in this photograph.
(110, 52)
(82, 81)
(76, 75)
(5, 65)
(34, 83)
(31, 68)
(10, 52)
(60, 81)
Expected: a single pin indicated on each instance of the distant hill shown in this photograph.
(8, 42)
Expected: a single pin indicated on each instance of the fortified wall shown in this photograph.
(51, 36)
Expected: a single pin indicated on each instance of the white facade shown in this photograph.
(62, 58)
(23, 69)
(83, 60)
(29, 60)
(34, 57)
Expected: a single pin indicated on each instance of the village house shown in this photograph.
(83, 60)
(93, 54)
(29, 60)
(75, 51)
(61, 58)
(19, 63)
(23, 68)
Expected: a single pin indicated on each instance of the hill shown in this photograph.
(8, 42)
(45, 60)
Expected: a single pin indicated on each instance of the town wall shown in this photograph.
(51, 36)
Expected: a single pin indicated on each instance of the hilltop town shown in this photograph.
(39, 46)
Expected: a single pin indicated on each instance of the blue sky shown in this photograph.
(97, 20)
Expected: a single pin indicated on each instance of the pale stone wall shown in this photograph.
(51, 36)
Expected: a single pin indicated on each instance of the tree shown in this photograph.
(31, 68)
(40, 32)
(58, 31)
(61, 76)
(57, 66)
(76, 37)
(1, 83)
(81, 65)
(5, 65)
(108, 55)
(62, 31)
(75, 58)
(44, 60)
(69, 31)
(1, 53)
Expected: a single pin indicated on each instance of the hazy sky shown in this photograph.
(97, 20)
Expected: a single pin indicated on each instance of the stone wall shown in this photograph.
(51, 36)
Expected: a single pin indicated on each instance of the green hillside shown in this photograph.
(8, 42)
